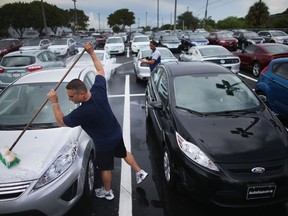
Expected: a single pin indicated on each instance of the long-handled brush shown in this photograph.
(7, 157)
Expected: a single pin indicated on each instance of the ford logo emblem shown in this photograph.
(222, 61)
(258, 170)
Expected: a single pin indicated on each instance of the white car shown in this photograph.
(56, 165)
(142, 70)
(114, 45)
(139, 42)
(212, 53)
(63, 47)
(108, 62)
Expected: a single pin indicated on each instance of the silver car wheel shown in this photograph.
(91, 174)
(166, 163)
(256, 69)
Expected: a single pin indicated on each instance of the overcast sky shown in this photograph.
(217, 9)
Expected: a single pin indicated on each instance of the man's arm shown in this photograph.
(97, 63)
(53, 98)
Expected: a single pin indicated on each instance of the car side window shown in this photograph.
(281, 70)
(89, 79)
(156, 74)
(250, 49)
(162, 89)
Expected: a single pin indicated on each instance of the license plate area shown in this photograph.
(260, 191)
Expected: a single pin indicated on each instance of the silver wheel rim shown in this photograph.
(166, 166)
(146, 109)
(256, 69)
(90, 175)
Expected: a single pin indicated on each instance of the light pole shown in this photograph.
(44, 19)
(75, 15)
(175, 11)
(157, 14)
(146, 19)
(99, 21)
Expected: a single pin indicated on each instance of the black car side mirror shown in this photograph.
(156, 105)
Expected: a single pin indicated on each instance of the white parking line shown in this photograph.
(125, 199)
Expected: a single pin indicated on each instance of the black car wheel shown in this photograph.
(146, 110)
(168, 168)
(256, 69)
(89, 178)
(243, 45)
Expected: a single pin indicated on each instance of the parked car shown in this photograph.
(100, 39)
(273, 84)
(139, 42)
(79, 43)
(56, 164)
(114, 45)
(215, 139)
(223, 38)
(63, 47)
(246, 38)
(189, 40)
(255, 57)
(35, 44)
(274, 36)
(142, 70)
(171, 42)
(212, 53)
(108, 62)
(17, 63)
(9, 45)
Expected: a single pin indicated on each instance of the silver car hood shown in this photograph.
(37, 150)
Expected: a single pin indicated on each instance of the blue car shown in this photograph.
(273, 84)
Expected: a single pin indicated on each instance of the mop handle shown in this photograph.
(39, 110)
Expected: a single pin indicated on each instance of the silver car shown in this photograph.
(142, 70)
(63, 47)
(35, 44)
(212, 53)
(56, 164)
(16, 64)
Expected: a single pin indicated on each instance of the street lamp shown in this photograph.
(75, 14)
(44, 19)
(99, 20)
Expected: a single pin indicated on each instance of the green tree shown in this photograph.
(187, 20)
(120, 19)
(258, 14)
(232, 23)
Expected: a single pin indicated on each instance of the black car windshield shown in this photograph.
(19, 103)
(210, 93)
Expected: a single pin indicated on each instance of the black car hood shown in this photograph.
(235, 139)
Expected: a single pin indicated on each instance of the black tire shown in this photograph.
(243, 45)
(256, 69)
(89, 184)
(168, 168)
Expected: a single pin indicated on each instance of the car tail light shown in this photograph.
(34, 68)
(1, 70)
(264, 70)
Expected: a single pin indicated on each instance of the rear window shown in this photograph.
(17, 61)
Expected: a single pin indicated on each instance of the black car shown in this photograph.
(217, 139)
(246, 38)
(171, 42)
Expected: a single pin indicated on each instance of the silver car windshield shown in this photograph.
(19, 103)
(213, 93)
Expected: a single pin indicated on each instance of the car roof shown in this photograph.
(52, 75)
(24, 52)
(185, 68)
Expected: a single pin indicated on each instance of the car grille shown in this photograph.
(224, 61)
(258, 41)
(244, 171)
(11, 191)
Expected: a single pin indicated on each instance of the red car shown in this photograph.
(223, 38)
(100, 39)
(256, 57)
(9, 45)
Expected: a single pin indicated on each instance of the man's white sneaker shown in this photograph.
(101, 193)
(140, 176)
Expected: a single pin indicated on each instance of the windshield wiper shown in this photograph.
(32, 126)
(190, 111)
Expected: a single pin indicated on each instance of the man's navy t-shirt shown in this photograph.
(95, 116)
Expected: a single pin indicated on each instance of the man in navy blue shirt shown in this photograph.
(155, 57)
(96, 117)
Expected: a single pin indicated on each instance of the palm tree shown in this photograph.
(258, 14)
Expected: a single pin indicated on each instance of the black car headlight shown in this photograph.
(195, 153)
